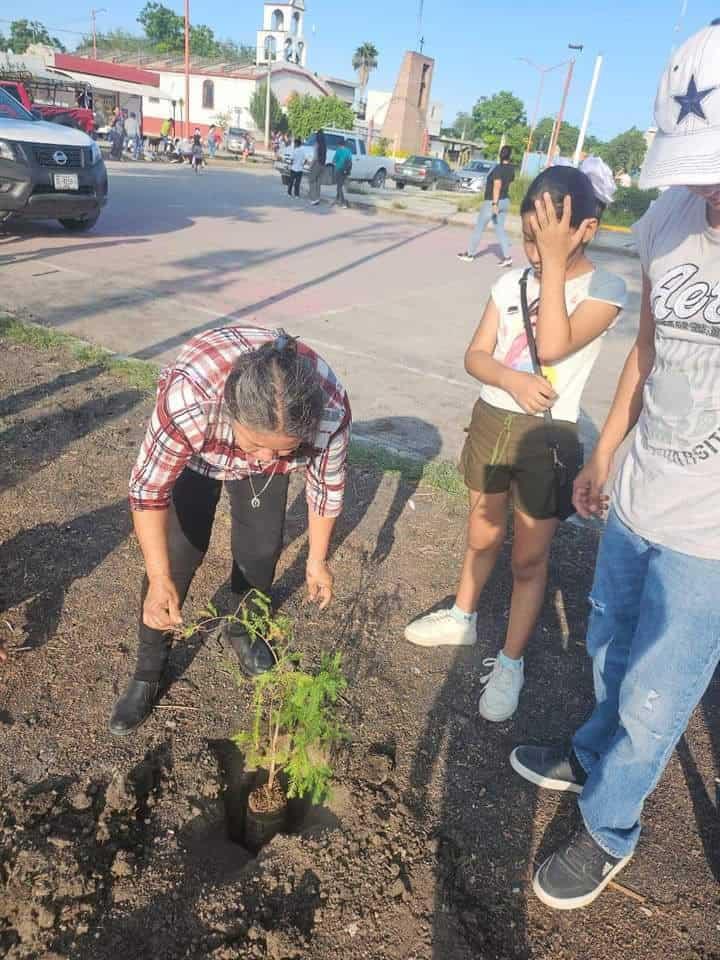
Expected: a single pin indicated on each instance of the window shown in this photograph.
(289, 50)
(299, 54)
(352, 146)
(295, 24)
(270, 48)
(278, 21)
(363, 151)
(333, 140)
(154, 99)
(208, 99)
(10, 107)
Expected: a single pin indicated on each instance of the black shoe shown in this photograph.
(133, 707)
(576, 873)
(254, 656)
(553, 768)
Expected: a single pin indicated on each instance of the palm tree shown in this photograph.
(365, 60)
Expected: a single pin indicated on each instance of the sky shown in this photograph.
(476, 46)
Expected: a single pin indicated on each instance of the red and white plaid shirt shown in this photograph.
(191, 426)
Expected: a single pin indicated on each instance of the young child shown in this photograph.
(297, 165)
(654, 632)
(572, 306)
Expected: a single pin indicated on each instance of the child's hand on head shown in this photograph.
(555, 237)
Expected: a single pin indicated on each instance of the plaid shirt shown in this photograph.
(192, 427)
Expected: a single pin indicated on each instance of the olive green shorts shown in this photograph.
(508, 452)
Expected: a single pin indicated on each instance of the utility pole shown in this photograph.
(93, 14)
(267, 97)
(536, 113)
(187, 69)
(588, 108)
(561, 112)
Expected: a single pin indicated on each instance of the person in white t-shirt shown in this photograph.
(510, 448)
(297, 165)
(654, 632)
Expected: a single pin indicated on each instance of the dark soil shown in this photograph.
(121, 848)
(263, 800)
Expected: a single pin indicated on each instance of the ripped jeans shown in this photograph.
(654, 637)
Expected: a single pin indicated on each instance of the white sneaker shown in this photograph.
(502, 691)
(441, 629)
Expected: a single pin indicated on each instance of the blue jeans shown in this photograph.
(484, 218)
(654, 637)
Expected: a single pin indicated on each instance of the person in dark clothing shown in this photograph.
(495, 208)
(297, 165)
(317, 168)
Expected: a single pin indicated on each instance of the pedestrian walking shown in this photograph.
(538, 340)
(196, 151)
(132, 132)
(495, 209)
(654, 632)
(245, 407)
(211, 141)
(343, 168)
(297, 165)
(117, 135)
(317, 167)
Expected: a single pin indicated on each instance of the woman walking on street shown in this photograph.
(317, 167)
(495, 208)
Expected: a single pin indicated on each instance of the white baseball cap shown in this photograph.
(686, 149)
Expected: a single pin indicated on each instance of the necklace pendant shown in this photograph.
(255, 503)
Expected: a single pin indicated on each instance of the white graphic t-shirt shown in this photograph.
(569, 376)
(666, 488)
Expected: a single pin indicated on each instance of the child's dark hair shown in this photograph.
(298, 142)
(506, 154)
(560, 182)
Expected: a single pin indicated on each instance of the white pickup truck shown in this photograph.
(366, 168)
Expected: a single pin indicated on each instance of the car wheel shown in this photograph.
(379, 179)
(426, 187)
(399, 185)
(80, 224)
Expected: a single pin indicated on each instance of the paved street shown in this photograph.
(382, 297)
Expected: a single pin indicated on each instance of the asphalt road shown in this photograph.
(383, 298)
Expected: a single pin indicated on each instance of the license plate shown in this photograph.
(66, 181)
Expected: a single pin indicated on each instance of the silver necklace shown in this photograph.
(255, 502)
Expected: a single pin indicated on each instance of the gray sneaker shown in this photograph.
(576, 874)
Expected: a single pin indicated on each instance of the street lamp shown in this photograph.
(578, 47)
(93, 14)
(187, 69)
(542, 71)
(588, 108)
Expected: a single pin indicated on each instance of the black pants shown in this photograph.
(294, 185)
(256, 541)
(340, 179)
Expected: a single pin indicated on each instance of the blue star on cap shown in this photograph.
(691, 102)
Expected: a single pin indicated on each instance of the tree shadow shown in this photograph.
(40, 564)
(15, 402)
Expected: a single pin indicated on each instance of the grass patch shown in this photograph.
(139, 374)
(142, 375)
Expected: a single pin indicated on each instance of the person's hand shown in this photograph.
(3, 653)
(532, 393)
(555, 238)
(588, 497)
(161, 610)
(320, 582)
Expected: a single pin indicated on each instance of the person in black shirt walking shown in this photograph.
(495, 208)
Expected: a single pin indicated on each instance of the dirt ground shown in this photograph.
(123, 848)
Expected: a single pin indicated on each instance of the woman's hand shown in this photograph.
(532, 393)
(555, 238)
(161, 610)
(588, 497)
(320, 582)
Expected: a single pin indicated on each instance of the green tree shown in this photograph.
(164, 28)
(364, 61)
(306, 113)
(626, 151)
(203, 42)
(567, 141)
(496, 115)
(258, 101)
(23, 33)
(463, 128)
(4, 42)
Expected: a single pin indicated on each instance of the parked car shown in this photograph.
(238, 140)
(474, 176)
(365, 168)
(69, 116)
(48, 171)
(428, 173)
